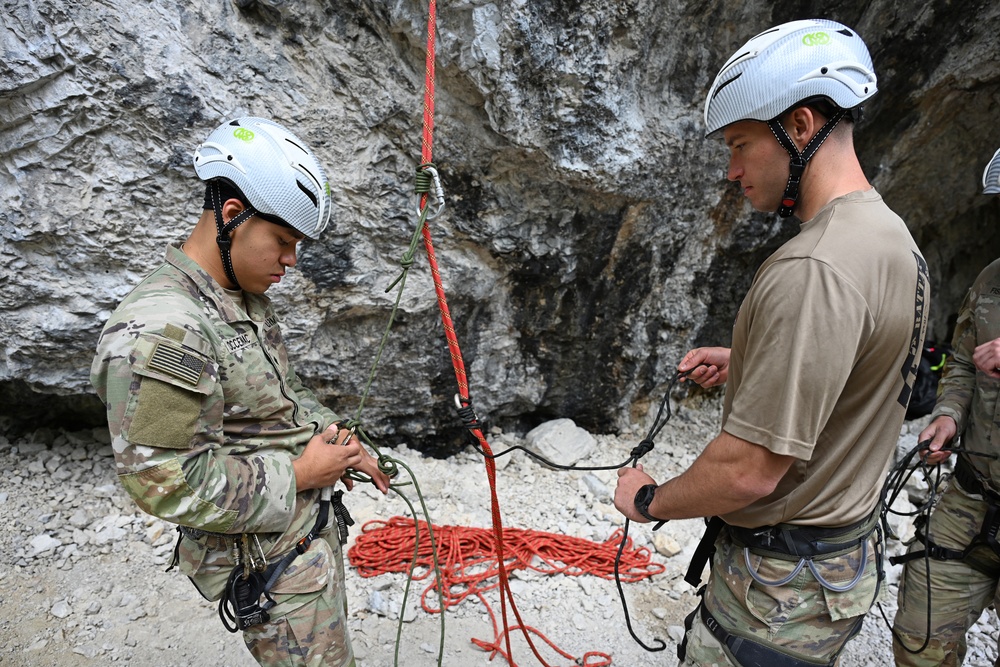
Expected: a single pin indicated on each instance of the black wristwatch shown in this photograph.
(643, 497)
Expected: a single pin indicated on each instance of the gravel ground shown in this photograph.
(82, 578)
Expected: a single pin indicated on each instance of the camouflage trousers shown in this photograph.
(959, 589)
(801, 618)
(308, 626)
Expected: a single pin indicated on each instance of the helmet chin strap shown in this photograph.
(225, 229)
(797, 164)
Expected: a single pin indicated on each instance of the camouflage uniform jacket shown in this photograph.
(206, 416)
(964, 393)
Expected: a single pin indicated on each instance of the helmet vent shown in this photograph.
(723, 85)
(308, 192)
(846, 32)
(296, 145)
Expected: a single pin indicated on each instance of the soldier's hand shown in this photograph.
(630, 480)
(986, 357)
(708, 366)
(326, 458)
(938, 434)
(369, 466)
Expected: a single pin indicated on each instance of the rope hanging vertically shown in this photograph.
(465, 404)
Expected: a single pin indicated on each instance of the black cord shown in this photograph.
(895, 481)
(621, 594)
(644, 447)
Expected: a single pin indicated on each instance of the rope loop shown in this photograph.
(388, 466)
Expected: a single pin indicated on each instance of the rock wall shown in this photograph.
(589, 239)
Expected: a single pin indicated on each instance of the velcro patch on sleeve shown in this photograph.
(166, 415)
(177, 363)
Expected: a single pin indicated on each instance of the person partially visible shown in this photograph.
(211, 427)
(824, 355)
(960, 536)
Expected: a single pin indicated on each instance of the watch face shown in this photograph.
(644, 497)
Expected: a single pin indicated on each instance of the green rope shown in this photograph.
(413, 566)
(387, 464)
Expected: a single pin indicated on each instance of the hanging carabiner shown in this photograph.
(424, 189)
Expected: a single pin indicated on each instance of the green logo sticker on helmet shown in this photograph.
(816, 39)
(243, 134)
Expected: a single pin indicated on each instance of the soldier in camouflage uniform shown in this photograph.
(967, 579)
(211, 427)
(824, 353)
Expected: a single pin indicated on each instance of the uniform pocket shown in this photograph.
(775, 600)
(308, 573)
(839, 572)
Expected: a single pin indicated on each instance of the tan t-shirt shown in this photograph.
(825, 351)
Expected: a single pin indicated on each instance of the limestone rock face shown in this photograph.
(589, 236)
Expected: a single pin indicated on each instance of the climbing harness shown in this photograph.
(803, 545)
(751, 653)
(240, 606)
(973, 482)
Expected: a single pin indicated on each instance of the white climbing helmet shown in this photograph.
(277, 173)
(991, 176)
(789, 64)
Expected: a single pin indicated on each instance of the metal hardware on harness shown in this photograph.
(803, 546)
(252, 562)
(241, 599)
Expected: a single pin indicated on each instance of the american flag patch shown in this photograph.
(176, 363)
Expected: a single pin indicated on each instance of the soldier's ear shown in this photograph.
(231, 208)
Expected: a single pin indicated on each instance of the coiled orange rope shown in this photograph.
(468, 564)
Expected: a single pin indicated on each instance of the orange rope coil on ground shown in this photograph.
(468, 563)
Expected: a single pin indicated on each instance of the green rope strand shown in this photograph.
(405, 262)
(413, 566)
(387, 464)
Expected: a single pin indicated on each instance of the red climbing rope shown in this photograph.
(469, 567)
(506, 597)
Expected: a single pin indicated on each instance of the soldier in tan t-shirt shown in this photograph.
(824, 353)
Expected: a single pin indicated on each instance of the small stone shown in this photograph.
(61, 609)
(666, 545)
(41, 544)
